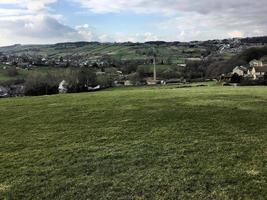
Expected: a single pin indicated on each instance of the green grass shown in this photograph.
(136, 143)
(116, 51)
(5, 77)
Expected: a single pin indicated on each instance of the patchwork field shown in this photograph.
(136, 143)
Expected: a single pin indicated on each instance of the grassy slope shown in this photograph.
(116, 51)
(4, 76)
(148, 143)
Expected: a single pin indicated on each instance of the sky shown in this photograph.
(53, 21)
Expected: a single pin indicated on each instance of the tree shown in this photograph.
(80, 80)
(236, 78)
(86, 78)
(41, 84)
(12, 71)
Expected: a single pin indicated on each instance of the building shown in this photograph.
(240, 70)
(256, 63)
(259, 72)
(257, 69)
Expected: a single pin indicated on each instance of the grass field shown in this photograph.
(115, 51)
(136, 143)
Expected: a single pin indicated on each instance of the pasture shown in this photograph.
(136, 143)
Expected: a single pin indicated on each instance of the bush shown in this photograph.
(41, 84)
(105, 80)
(236, 78)
(12, 71)
(47, 83)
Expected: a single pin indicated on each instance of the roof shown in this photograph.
(261, 69)
(241, 68)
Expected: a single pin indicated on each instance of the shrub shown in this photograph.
(12, 71)
(41, 84)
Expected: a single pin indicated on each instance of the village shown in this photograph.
(128, 64)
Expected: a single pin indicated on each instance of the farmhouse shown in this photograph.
(240, 70)
(256, 63)
(257, 69)
(260, 71)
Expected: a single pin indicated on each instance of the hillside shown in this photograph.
(208, 58)
(137, 50)
(136, 143)
(117, 51)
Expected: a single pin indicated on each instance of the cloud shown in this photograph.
(34, 21)
(123, 37)
(38, 29)
(30, 22)
(86, 32)
(31, 5)
(171, 6)
(191, 19)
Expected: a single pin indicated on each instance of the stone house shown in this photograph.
(256, 63)
(240, 70)
(257, 69)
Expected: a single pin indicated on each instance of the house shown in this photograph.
(257, 69)
(240, 70)
(256, 63)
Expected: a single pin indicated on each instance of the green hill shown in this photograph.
(136, 143)
(117, 51)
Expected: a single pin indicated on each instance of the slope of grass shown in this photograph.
(115, 51)
(137, 143)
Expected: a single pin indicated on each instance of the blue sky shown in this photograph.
(52, 21)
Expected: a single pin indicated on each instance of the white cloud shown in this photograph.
(170, 6)
(86, 32)
(31, 5)
(37, 29)
(191, 19)
(30, 21)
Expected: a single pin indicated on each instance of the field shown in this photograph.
(23, 73)
(115, 51)
(136, 143)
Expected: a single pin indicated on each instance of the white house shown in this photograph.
(257, 69)
(240, 70)
(256, 63)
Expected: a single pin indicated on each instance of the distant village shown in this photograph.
(252, 73)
